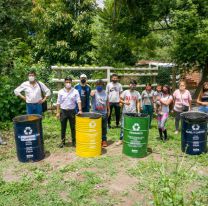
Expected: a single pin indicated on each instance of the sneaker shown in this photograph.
(3, 143)
(119, 142)
(104, 144)
(176, 132)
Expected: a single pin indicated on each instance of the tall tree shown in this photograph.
(62, 30)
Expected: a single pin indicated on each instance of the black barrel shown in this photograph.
(194, 133)
(29, 138)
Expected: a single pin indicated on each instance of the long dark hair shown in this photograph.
(203, 89)
(168, 87)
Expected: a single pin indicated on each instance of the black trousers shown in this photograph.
(66, 115)
(116, 106)
(104, 127)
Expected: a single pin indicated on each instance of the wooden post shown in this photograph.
(174, 78)
(108, 74)
(59, 75)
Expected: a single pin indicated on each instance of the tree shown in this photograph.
(191, 43)
(62, 31)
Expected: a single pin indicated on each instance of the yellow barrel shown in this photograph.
(88, 134)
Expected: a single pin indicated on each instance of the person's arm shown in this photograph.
(79, 103)
(122, 100)
(58, 105)
(107, 89)
(108, 108)
(190, 101)
(138, 106)
(166, 102)
(121, 89)
(199, 100)
(58, 111)
(46, 91)
(80, 107)
(18, 91)
(92, 93)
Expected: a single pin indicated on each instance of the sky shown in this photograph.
(100, 3)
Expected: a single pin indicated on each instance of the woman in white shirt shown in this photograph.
(165, 101)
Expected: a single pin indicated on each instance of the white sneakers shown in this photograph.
(119, 142)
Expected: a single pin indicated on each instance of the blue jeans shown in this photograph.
(34, 108)
(148, 109)
(203, 109)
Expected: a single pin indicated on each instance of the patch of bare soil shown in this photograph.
(9, 175)
(60, 159)
(201, 170)
(122, 189)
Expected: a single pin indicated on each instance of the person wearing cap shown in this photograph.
(130, 99)
(67, 99)
(33, 93)
(84, 91)
(100, 105)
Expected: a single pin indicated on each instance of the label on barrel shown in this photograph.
(136, 127)
(28, 138)
(195, 129)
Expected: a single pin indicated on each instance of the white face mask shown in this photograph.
(68, 85)
(31, 78)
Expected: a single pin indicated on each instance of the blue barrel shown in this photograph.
(194, 133)
(29, 138)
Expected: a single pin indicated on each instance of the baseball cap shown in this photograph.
(83, 76)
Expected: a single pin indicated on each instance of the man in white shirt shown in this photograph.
(33, 90)
(68, 98)
(113, 90)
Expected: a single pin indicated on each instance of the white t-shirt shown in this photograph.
(132, 97)
(165, 108)
(113, 91)
(147, 97)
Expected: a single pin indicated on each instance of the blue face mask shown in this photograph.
(99, 88)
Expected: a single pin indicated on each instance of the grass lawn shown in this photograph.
(165, 177)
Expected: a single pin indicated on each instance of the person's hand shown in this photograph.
(92, 93)
(127, 103)
(58, 115)
(41, 101)
(24, 98)
(80, 112)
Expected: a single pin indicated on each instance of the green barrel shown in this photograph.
(136, 131)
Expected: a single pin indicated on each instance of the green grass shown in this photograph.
(166, 177)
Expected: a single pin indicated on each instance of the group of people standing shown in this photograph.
(81, 98)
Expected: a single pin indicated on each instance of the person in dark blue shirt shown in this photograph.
(84, 92)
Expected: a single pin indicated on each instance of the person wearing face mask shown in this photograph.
(100, 105)
(182, 103)
(67, 99)
(202, 99)
(33, 95)
(165, 100)
(130, 99)
(148, 101)
(84, 91)
(113, 90)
